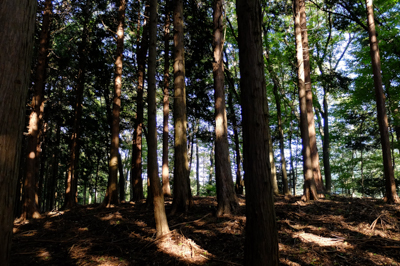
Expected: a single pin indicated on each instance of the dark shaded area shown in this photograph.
(334, 231)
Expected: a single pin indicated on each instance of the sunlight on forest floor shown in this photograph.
(337, 231)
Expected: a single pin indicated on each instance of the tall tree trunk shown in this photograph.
(310, 190)
(309, 102)
(291, 157)
(51, 188)
(165, 168)
(111, 197)
(281, 142)
(17, 20)
(226, 196)
(261, 238)
(197, 167)
(136, 171)
(72, 175)
(30, 206)
(271, 161)
(390, 185)
(182, 193)
(152, 165)
(239, 181)
(326, 144)
(122, 180)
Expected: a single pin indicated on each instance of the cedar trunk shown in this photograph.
(182, 193)
(226, 197)
(30, 206)
(261, 238)
(17, 20)
(72, 175)
(310, 111)
(391, 194)
(111, 197)
(165, 168)
(136, 171)
(310, 190)
(152, 169)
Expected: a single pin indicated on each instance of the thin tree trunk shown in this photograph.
(53, 179)
(122, 180)
(152, 165)
(182, 193)
(226, 196)
(291, 157)
(165, 168)
(72, 176)
(30, 206)
(326, 145)
(197, 167)
(271, 164)
(310, 111)
(111, 197)
(261, 239)
(281, 142)
(17, 20)
(136, 171)
(390, 185)
(239, 181)
(310, 190)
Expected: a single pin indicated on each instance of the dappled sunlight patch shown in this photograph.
(322, 241)
(43, 254)
(111, 216)
(183, 249)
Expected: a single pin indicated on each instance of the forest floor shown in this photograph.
(334, 231)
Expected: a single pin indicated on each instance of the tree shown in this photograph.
(310, 111)
(112, 191)
(310, 191)
(17, 20)
(165, 168)
(72, 178)
(226, 197)
(261, 239)
(152, 165)
(182, 193)
(136, 171)
(30, 207)
(391, 194)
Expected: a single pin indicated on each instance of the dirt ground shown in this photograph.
(334, 231)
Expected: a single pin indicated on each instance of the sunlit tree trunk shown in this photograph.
(136, 171)
(30, 206)
(17, 20)
(165, 167)
(261, 238)
(271, 164)
(310, 190)
(182, 193)
(226, 197)
(152, 164)
(390, 185)
(309, 102)
(72, 175)
(111, 197)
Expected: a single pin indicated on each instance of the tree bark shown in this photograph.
(122, 180)
(136, 171)
(271, 160)
(111, 197)
(390, 185)
(310, 190)
(226, 197)
(309, 102)
(72, 176)
(17, 20)
(326, 145)
(165, 168)
(152, 165)
(30, 206)
(52, 182)
(182, 194)
(261, 239)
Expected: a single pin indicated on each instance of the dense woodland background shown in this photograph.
(81, 111)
